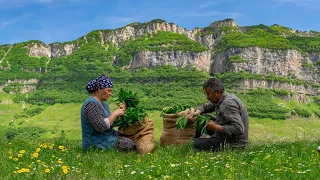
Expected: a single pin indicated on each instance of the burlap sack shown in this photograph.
(142, 134)
(172, 135)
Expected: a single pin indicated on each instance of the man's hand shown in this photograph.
(212, 126)
(192, 115)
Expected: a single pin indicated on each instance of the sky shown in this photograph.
(66, 20)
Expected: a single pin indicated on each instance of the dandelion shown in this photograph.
(65, 171)
(133, 172)
(19, 155)
(45, 146)
(19, 171)
(35, 154)
(38, 160)
(27, 170)
(22, 151)
(50, 147)
(15, 159)
(15, 172)
(47, 170)
(38, 150)
(267, 157)
(23, 170)
(60, 162)
(10, 157)
(61, 147)
(64, 167)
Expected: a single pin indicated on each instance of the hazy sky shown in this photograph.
(65, 20)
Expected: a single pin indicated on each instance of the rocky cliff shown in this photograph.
(254, 60)
(174, 58)
(266, 61)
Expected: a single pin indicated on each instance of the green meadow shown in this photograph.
(49, 147)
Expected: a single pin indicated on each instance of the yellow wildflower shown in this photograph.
(47, 170)
(61, 147)
(50, 147)
(38, 150)
(35, 154)
(15, 172)
(38, 160)
(45, 146)
(19, 171)
(23, 170)
(10, 157)
(60, 162)
(15, 159)
(19, 155)
(22, 151)
(65, 171)
(64, 167)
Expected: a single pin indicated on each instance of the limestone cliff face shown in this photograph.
(58, 50)
(265, 61)
(40, 50)
(300, 91)
(29, 85)
(123, 34)
(174, 58)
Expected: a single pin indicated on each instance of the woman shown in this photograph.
(97, 120)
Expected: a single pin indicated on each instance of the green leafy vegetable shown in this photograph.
(175, 109)
(130, 117)
(202, 122)
(128, 97)
(181, 122)
(133, 113)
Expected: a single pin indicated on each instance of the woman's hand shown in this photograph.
(123, 105)
(118, 112)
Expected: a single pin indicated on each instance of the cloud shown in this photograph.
(311, 4)
(119, 20)
(7, 23)
(213, 13)
(44, 1)
(209, 4)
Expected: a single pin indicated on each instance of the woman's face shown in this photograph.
(105, 93)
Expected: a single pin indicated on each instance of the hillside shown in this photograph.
(166, 64)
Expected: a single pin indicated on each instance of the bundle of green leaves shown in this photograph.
(175, 109)
(133, 113)
(130, 117)
(202, 122)
(181, 121)
(128, 97)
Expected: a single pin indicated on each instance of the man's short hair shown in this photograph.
(214, 84)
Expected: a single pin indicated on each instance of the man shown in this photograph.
(231, 123)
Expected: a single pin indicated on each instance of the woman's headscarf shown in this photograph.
(99, 83)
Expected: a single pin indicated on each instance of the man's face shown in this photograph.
(212, 96)
(105, 93)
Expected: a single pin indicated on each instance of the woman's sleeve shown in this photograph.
(94, 114)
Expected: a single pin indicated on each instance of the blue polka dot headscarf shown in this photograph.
(99, 83)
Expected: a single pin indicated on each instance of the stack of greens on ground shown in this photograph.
(182, 111)
(133, 114)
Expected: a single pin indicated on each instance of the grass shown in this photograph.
(65, 117)
(279, 149)
(286, 160)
